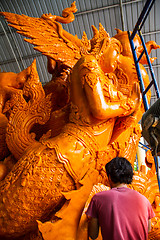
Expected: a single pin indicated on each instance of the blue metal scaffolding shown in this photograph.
(137, 30)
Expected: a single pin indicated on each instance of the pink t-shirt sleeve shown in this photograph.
(91, 211)
(151, 213)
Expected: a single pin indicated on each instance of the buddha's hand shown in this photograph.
(136, 96)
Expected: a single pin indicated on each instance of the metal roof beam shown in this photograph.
(103, 8)
(19, 59)
(11, 47)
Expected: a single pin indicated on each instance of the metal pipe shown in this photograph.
(142, 15)
(154, 66)
(148, 10)
(150, 33)
(142, 87)
(122, 15)
(150, 65)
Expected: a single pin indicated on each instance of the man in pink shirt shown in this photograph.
(122, 213)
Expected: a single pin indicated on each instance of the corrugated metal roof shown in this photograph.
(16, 54)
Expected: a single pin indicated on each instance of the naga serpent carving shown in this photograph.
(60, 137)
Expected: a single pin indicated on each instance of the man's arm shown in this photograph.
(149, 225)
(93, 227)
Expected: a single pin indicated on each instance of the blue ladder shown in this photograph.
(147, 7)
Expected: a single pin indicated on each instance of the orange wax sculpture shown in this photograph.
(58, 138)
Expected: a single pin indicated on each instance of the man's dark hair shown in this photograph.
(120, 170)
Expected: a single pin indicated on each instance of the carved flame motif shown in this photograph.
(58, 138)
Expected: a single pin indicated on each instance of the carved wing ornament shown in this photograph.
(48, 36)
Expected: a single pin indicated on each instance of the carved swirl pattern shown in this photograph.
(26, 113)
(34, 194)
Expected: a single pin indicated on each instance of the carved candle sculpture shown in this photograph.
(57, 139)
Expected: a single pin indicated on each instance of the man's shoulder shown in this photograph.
(139, 195)
(116, 190)
(103, 194)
